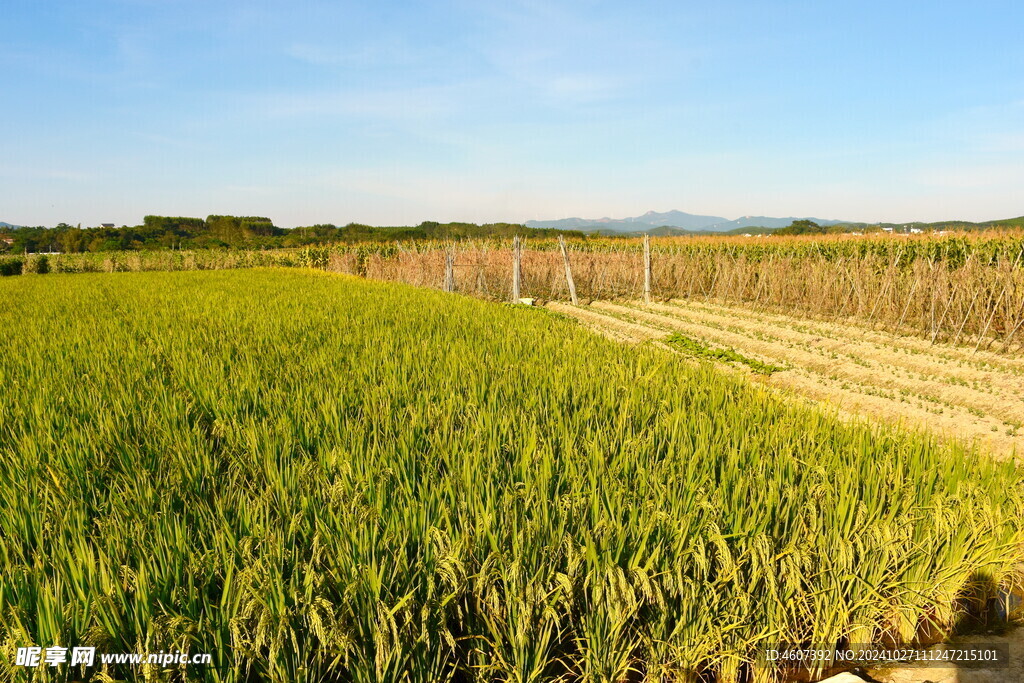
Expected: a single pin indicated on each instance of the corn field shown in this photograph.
(321, 478)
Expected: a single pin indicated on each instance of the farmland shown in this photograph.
(956, 391)
(955, 288)
(951, 288)
(319, 477)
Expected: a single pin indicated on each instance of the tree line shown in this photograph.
(239, 232)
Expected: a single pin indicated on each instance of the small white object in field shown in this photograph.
(843, 678)
(526, 301)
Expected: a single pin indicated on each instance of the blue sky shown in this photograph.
(394, 113)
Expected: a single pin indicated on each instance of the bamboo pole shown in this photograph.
(1009, 337)
(647, 268)
(910, 300)
(998, 301)
(942, 319)
(966, 317)
(952, 295)
(516, 268)
(568, 271)
(762, 278)
(888, 281)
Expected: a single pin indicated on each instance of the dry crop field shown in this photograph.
(958, 288)
(325, 478)
(957, 391)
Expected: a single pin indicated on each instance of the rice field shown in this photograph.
(317, 477)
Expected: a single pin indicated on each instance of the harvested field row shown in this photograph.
(956, 391)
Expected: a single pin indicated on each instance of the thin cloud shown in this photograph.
(390, 104)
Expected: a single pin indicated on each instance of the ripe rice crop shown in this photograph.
(161, 260)
(320, 478)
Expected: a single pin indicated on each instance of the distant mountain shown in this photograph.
(648, 221)
(571, 223)
(5, 226)
(604, 225)
(652, 230)
(678, 219)
(653, 220)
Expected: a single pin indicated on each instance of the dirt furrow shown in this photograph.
(855, 375)
(953, 372)
(855, 331)
(839, 369)
(985, 391)
(616, 329)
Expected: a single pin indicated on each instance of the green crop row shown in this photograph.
(698, 349)
(319, 478)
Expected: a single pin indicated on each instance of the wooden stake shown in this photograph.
(449, 269)
(647, 268)
(568, 271)
(516, 268)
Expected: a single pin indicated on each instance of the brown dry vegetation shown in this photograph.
(956, 288)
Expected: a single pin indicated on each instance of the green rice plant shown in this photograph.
(318, 477)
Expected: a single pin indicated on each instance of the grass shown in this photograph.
(319, 478)
(699, 349)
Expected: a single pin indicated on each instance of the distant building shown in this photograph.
(106, 225)
(7, 240)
